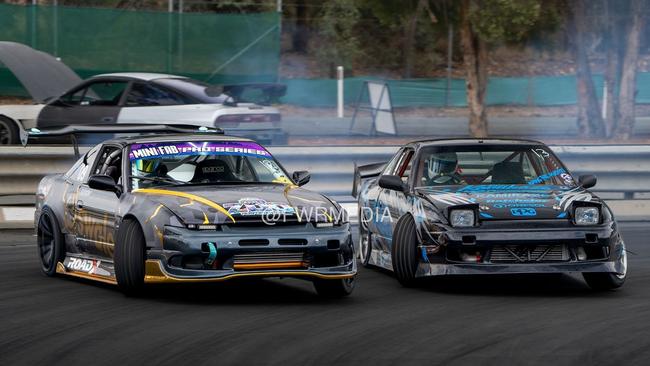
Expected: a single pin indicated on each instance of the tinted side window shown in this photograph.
(150, 95)
(79, 171)
(104, 93)
(390, 167)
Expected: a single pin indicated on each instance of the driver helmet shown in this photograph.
(442, 164)
(147, 166)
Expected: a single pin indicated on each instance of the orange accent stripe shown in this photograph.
(60, 268)
(268, 265)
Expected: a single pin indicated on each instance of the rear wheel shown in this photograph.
(607, 281)
(8, 132)
(129, 257)
(404, 252)
(334, 288)
(50, 242)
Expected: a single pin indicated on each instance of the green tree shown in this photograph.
(484, 23)
(336, 42)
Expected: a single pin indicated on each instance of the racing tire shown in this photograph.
(129, 257)
(404, 253)
(50, 242)
(602, 281)
(334, 288)
(365, 246)
(8, 132)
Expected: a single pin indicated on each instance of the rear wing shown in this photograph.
(74, 130)
(363, 172)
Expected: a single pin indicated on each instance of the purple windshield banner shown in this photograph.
(162, 149)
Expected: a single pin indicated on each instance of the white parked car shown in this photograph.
(129, 98)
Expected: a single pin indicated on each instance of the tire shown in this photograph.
(334, 288)
(365, 248)
(8, 132)
(50, 242)
(129, 257)
(404, 252)
(607, 281)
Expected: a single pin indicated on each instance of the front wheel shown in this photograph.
(8, 132)
(129, 257)
(334, 288)
(365, 244)
(404, 252)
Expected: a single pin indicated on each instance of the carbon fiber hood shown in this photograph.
(510, 201)
(232, 203)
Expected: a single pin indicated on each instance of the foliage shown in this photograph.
(336, 42)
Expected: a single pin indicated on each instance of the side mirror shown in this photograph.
(587, 181)
(393, 183)
(104, 183)
(301, 177)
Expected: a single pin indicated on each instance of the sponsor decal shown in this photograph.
(511, 188)
(523, 211)
(543, 178)
(158, 150)
(90, 266)
(256, 207)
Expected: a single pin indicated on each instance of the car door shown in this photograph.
(95, 102)
(96, 209)
(395, 203)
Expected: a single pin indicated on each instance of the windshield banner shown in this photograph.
(161, 150)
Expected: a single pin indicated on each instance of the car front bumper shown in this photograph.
(323, 260)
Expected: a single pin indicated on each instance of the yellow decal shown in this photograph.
(199, 199)
(155, 213)
(283, 180)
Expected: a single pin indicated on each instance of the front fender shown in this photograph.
(152, 216)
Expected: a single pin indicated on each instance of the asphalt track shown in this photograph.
(469, 320)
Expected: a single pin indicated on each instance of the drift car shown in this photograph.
(465, 206)
(189, 208)
(63, 99)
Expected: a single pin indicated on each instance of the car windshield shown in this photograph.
(194, 88)
(491, 165)
(205, 162)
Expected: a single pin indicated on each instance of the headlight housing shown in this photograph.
(462, 218)
(586, 215)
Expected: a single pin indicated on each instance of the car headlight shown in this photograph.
(462, 218)
(587, 215)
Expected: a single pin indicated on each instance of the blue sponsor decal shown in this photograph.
(524, 211)
(562, 215)
(486, 215)
(543, 178)
(510, 188)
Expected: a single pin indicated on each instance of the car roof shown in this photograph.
(174, 137)
(145, 76)
(475, 141)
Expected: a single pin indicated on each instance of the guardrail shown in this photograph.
(623, 171)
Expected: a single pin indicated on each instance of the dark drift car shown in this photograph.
(190, 208)
(465, 206)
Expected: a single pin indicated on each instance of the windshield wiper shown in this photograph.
(159, 179)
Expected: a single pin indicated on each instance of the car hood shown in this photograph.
(499, 202)
(227, 204)
(42, 75)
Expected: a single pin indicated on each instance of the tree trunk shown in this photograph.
(627, 94)
(300, 35)
(590, 122)
(409, 37)
(474, 60)
(612, 71)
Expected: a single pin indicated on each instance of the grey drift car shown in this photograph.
(450, 207)
(190, 208)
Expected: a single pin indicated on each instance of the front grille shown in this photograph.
(253, 261)
(526, 254)
(253, 242)
(292, 241)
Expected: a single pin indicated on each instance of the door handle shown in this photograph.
(80, 204)
(108, 119)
